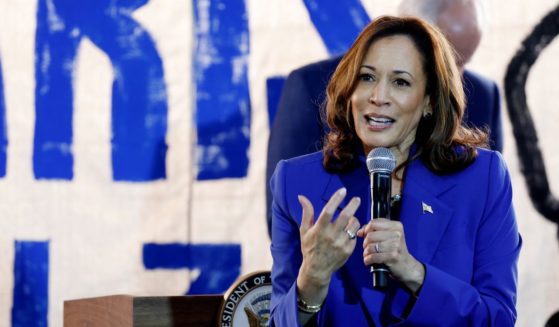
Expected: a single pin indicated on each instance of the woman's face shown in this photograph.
(390, 98)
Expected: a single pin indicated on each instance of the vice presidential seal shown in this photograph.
(247, 302)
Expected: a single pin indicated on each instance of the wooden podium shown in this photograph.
(144, 311)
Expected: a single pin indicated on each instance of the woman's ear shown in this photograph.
(427, 110)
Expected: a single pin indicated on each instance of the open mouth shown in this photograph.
(379, 121)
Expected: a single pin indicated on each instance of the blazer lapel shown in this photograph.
(424, 215)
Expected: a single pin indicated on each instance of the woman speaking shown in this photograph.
(451, 242)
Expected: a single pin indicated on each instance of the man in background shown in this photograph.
(298, 127)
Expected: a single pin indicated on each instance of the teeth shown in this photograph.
(379, 120)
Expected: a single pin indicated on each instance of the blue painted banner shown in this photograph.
(3, 131)
(31, 276)
(139, 118)
(139, 98)
(222, 90)
(338, 23)
(219, 264)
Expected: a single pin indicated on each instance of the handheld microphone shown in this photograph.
(380, 163)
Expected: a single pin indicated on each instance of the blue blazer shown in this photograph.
(298, 128)
(469, 245)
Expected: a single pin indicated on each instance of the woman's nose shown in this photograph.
(378, 94)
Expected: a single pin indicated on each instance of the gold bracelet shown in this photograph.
(304, 307)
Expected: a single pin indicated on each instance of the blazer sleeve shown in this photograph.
(286, 254)
(489, 298)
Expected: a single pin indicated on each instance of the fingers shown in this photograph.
(352, 227)
(384, 242)
(308, 213)
(376, 224)
(382, 257)
(386, 246)
(381, 224)
(347, 213)
(379, 236)
(328, 211)
(325, 218)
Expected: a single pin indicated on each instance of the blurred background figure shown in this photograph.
(299, 127)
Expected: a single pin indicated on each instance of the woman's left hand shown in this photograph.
(384, 242)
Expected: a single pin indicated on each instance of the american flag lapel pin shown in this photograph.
(426, 207)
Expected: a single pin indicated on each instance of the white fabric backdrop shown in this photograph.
(96, 226)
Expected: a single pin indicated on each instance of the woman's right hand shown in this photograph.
(325, 245)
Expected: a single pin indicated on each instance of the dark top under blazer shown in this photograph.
(298, 128)
(469, 245)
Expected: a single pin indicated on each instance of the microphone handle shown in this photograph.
(381, 192)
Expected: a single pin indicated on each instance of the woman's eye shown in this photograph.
(366, 77)
(401, 82)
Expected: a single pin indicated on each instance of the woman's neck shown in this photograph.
(401, 154)
(400, 151)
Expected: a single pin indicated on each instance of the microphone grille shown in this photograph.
(381, 159)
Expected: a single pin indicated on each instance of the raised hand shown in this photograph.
(325, 244)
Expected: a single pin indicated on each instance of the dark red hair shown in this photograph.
(441, 141)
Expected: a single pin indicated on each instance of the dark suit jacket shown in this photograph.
(469, 245)
(298, 128)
